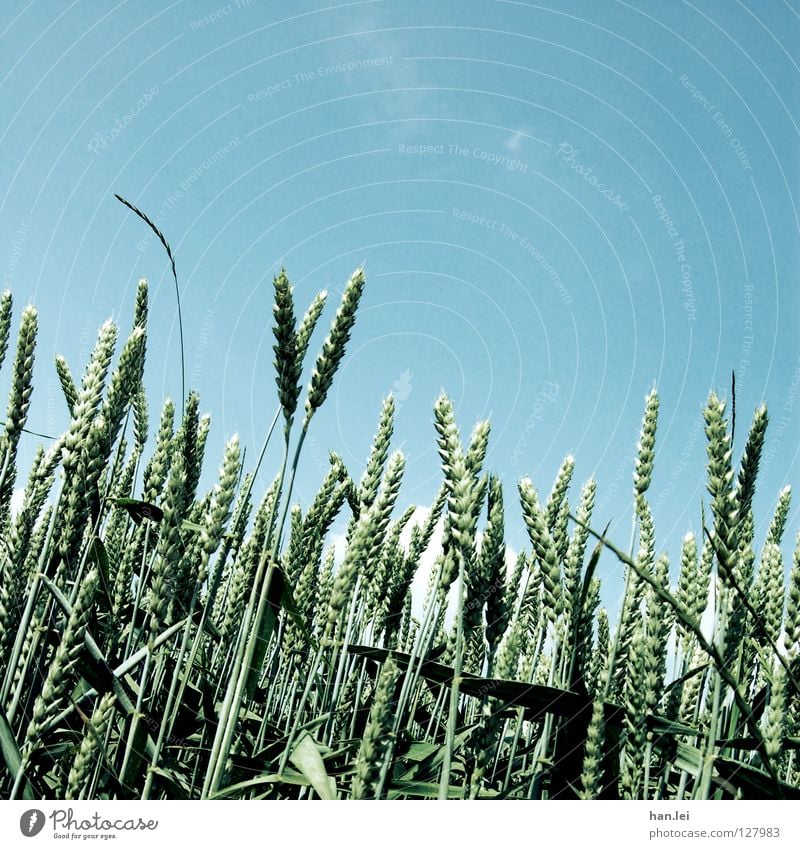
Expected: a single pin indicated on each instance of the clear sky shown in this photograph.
(559, 205)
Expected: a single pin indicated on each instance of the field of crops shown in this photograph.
(158, 641)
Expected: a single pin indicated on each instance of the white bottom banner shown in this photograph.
(388, 824)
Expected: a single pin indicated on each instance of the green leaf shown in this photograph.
(137, 735)
(178, 786)
(419, 751)
(98, 553)
(429, 790)
(140, 509)
(290, 606)
(662, 726)
(266, 627)
(429, 764)
(11, 754)
(731, 774)
(308, 759)
(286, 777)
(755, 783)
(684, 678)
(538, 700)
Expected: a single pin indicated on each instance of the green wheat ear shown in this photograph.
(221, 501)
(22, 377)
(65, 662)
(592, 773)
(19, 400)
(748, 468)
(375, 742)
(368, 486)
(720, 486)
(91, 746)
(307, 325)
(140, 309)
(6, 303)
(543, 548)
(646, 447)
(559, 491)
(287, 366)
(778, 523)
(67, 383)
(334, 345)
(493, 567)
(89, 396)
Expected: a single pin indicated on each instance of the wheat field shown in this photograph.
(159, 641)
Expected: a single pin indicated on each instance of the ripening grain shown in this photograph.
(159, 641)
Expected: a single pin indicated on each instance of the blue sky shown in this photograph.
(559, 205)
